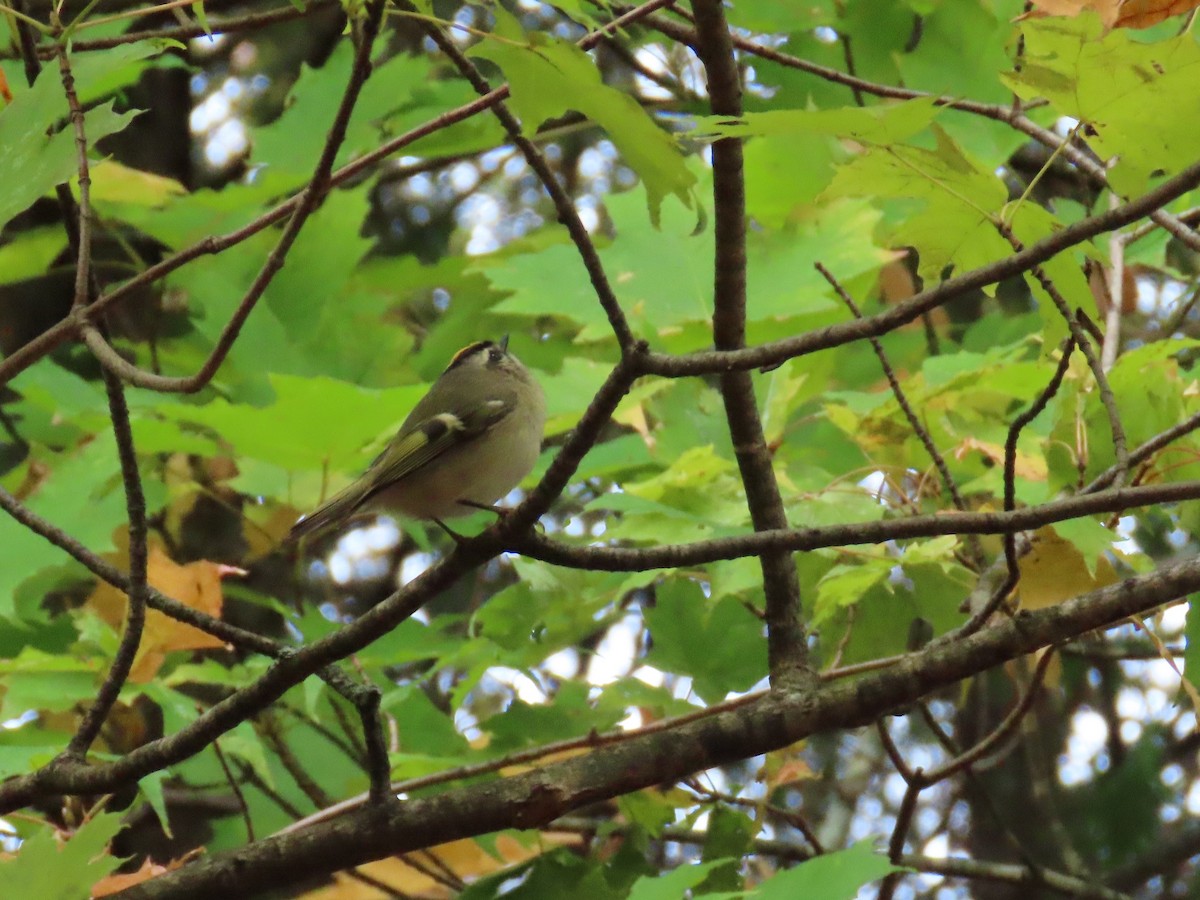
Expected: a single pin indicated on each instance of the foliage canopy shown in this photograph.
(860, 550)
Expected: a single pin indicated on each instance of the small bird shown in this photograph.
(468, 442)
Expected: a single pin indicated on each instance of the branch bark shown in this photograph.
(536, 798)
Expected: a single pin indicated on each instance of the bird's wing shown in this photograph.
(424, 441)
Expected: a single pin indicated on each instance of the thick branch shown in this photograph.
(536, 798)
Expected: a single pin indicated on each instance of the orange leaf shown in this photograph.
(1144, 13)
(1115, 13)
(466, 859)
(789, 771)
(149, 869)
(197, 585)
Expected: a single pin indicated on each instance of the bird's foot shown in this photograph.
(454, 535)
(489, 507)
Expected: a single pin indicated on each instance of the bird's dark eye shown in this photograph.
(495, 355)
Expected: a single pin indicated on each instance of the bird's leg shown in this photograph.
(489, 507)
(454, 535)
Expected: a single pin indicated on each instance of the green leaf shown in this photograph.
(45, 869)
(831, 876)
(1191, 653)
(82, 494)
(549, 76)
(721, 645)
(648, 811)
(525, 725)
(875, 125)
(427, 729)
(845, 585)
(313, 421)
(99, 75)
(35, 153)
(30, 252)
(674, 884)
(40, 681)
(729, 838)
(1128, 91)
(559, 873)
(1090, 537)
(201, 16)
(957, 195)
(245, 744)
(151, 787)
(661, 278)
(401, 94)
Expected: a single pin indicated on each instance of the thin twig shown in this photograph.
(899, 837)
(1009, 115)
(775, 352)
(237, 790)
(1107, 399)
(951, 867)
(979, 617)
(310, 199)
(641, 559)
(537, 797)
(986, 800)
(77, 219)
(524, 757)
(137, 590)
(82, 244)
(105, 571)
(269, 730)
(568, 215)
(34, 350)
(253, 779)
(789, 816)
(948, 483)
(1000, 732)
(218, 25)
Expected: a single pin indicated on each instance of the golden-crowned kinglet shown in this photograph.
(467, 443)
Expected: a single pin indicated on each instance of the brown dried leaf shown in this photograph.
(1099, 280)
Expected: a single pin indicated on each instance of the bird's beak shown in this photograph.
(504, 343)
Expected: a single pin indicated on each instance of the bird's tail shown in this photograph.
(333, 511)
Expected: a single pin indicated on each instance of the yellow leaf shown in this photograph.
(1054, 571)
(1031, 468)
(116, 183)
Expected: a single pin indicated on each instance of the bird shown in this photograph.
(469, 441)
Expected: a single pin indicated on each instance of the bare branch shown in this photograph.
(640, 559)
(786, 651)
